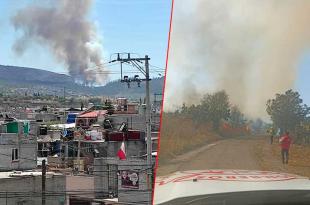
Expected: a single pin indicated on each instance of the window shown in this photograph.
(15, 154)
(88, 148)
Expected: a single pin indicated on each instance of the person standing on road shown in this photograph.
(271, 132)
(285, 142)
(278, 134)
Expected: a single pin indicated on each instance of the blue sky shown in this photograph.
(302, 83)
(139, 26)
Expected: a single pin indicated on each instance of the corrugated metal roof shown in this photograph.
(93, 114)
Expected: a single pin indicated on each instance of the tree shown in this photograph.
(95, 100)
(184, 109)
(192, 111)
(215, 107)
(287, 111)
(212, 108)
(71, 101)
(257, 126)
(236, 117)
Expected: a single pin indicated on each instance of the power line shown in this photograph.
(127, 63)
(161, 68)
(118, 72)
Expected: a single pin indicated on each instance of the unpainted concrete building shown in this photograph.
(125, 179)
(17, 148)
(25, 188)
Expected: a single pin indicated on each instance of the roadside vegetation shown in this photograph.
(192, 126)
(180, 134)
(288, 113)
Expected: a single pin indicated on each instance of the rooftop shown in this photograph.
(93, 114)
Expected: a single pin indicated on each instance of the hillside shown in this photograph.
(117, 88)
(19, 80)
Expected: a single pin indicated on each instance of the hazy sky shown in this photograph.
(139, 26)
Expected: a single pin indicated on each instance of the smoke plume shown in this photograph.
(63, 27)
(250, 48)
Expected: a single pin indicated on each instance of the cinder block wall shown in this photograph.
(27, 190)
(133, 148)
(142, 195)
(27, 155)
(104, 185)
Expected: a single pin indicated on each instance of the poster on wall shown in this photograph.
(130, 179)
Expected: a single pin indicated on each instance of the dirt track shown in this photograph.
(251, 153)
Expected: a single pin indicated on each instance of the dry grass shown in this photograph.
(269, 158)
(299, 159)
(179, 135)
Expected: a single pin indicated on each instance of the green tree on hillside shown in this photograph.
(287, 110)
(216, 107)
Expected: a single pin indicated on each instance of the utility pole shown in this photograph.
(148, 113)
(136, 62)
(79, 135)
(43, 181)
(19, 137)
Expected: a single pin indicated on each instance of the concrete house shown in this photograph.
(18, 151)
(17, 146)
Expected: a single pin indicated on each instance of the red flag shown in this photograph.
(121, 152)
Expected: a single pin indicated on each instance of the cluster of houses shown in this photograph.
(79, 146)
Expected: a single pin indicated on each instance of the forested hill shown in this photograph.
(23, 79)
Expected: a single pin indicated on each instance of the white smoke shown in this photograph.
(64, 28)
(250, 48)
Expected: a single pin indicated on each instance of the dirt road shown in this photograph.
(250, 153)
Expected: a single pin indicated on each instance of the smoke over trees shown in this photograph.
(63, 27)
(214, 108)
